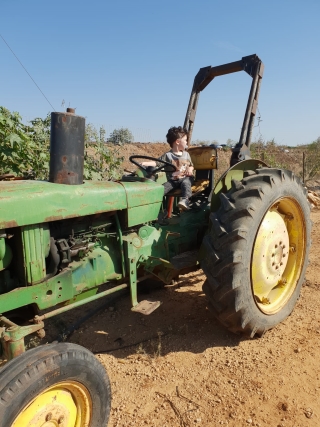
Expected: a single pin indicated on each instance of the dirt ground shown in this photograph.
(178, 367)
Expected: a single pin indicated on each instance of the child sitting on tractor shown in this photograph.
(180, 158)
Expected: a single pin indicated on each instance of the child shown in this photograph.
(180, 158)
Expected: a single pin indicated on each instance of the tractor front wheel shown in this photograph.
(54, 385)
(256, 253)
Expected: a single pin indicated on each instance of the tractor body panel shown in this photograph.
(143, 201)
(44, 201)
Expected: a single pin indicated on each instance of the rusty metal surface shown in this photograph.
(254, 67)
(146, 307)
(203, 158)
(67, 148)
(44, 201)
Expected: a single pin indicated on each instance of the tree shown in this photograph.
(230, 143)
(121, 136)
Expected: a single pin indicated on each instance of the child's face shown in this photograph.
(182, 143)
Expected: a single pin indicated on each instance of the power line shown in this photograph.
(27, 73)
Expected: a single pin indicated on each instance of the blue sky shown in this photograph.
(132, 63)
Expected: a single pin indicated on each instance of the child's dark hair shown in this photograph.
(175, 133)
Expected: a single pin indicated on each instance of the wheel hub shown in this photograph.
(50, 424)
(276, 262)
(270, 254)
(66, 404)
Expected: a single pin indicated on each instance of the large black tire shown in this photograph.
(56, 384)
(256, 252)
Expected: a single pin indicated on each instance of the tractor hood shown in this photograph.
(44, 201)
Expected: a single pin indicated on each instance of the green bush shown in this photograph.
(24, 150)
(268, 151)
(312, 160)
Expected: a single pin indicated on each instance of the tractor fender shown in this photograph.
(234, 172)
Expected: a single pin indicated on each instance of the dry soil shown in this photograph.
(178, 367)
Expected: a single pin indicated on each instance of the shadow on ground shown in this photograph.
(182, 323)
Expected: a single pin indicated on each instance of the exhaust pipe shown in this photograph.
(67, 148)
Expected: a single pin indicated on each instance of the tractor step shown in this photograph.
(184, 260)
(146, 306)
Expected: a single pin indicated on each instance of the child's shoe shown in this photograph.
(183, 204)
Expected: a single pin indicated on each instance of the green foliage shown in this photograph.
(268, 152)
(312, 160)
(100, 161)
(121, 136)
(25, 149)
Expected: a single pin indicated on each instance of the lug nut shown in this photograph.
(48, 416)
(61, 419)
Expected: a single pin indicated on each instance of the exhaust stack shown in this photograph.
(67, 148)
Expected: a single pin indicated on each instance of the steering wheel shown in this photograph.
(152, 170)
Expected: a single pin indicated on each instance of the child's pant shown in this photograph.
(184, 183)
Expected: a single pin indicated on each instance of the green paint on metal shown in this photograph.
(35, 248)
(81, 302)
(44, 295)
(144, 201)
(143, 193)
(44, 201)
(235, 172)
(132, 266)
(141, 214)
(5, 254)
(119, 232)
(83, 296)
(12, 338)
(101, 265)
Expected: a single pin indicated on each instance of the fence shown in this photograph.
(303, 163)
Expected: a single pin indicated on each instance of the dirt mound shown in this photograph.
(274, 157)
(151, 149)
(156, 149)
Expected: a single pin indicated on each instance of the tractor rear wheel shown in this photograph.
(54, 385)
(256, 253)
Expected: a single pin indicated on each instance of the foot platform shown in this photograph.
(146, 306)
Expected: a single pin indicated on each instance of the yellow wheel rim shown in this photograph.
(278, 255)
(66, 404)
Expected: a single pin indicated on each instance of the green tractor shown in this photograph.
(65, 242)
